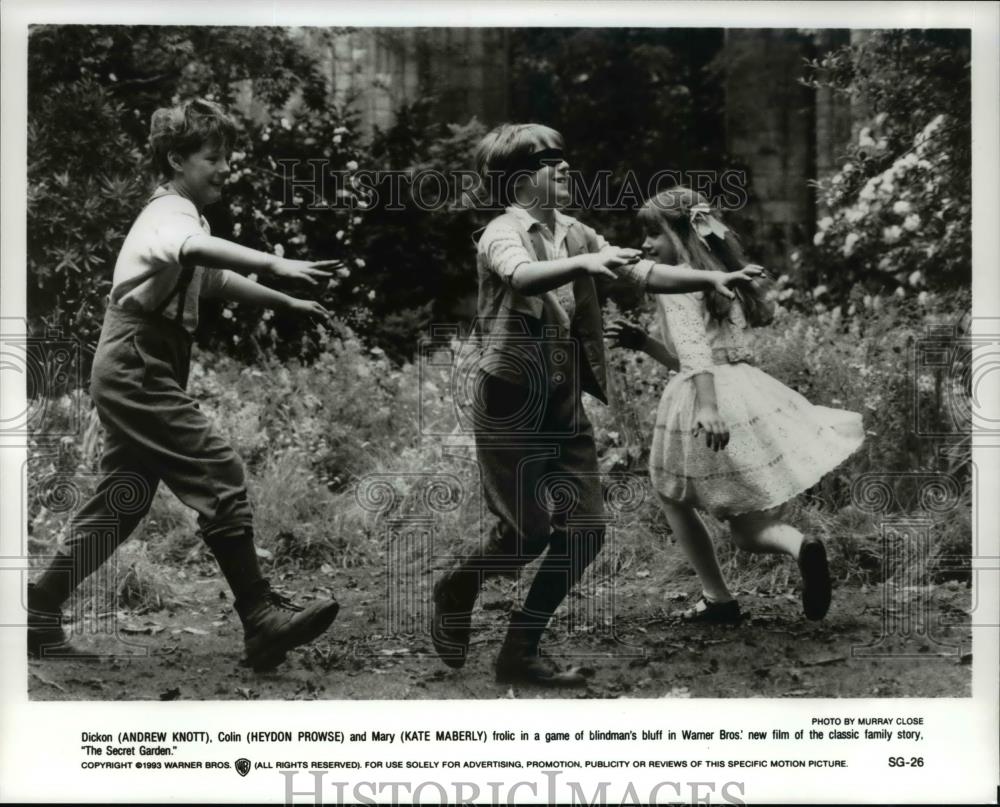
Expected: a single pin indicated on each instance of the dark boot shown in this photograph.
(817, 591)
(451, 629)
(273, 625)
(520, 662)
(46, 636)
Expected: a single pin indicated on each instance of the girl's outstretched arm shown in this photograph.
(663, 279)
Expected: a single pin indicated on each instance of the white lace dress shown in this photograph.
(779, 444)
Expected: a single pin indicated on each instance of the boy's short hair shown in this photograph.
(185, 128)
(507, 150)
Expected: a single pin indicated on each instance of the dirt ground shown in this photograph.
(191, 651)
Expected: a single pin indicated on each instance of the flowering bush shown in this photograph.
(907, 227)
(896, 217)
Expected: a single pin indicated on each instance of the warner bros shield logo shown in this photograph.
(243, 766)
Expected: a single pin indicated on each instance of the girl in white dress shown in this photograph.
(730, 440)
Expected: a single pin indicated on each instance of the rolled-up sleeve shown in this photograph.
(503, 249)
(636, 273)
(215, 281)
(176, 223)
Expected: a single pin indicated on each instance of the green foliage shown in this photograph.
(418, 230)
(899, 208)
(629, 102)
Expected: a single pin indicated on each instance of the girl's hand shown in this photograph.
(716, 432)
(309, 308)
(309, 271)
(624, 334)
(722, 280)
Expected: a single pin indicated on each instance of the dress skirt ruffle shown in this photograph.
(779, 443)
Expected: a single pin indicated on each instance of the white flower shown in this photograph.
(885, 263)
(356, 220)
(237, 229)
(824, 223)
(227, 313)
(818, 238)
(371, 294)
(252, 277)
(865, 138)
(362, 204)
(340, 130)
(359, 263)
(916, 278)
(819, 291)
(286, 124)
(340, 234)
(868, 191)
(279, 250)
(912, 223)
(336, 139)
(854, 215)
(352, 165)
(849, 242)
(900, 292)
(265, 136)
(867, 301)
(902, 207)
(794, 256)
(922, 298)
(891, 235)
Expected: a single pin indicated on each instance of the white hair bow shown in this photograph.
(704, 223)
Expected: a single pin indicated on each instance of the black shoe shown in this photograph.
(816, 587)
(273, 625)
(713, 613)
(451, 628)
(520, 662)
(46, 637)
(515, 668)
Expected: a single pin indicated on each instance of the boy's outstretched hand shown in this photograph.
(309, 271)
(623, 333)
(607, 260)
(309, 308)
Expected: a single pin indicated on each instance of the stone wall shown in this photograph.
(378, 70)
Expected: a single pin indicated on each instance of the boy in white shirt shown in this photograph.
(154, 429)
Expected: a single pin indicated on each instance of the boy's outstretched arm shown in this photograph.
(218, 253)
(538, 277)
(239, 289)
